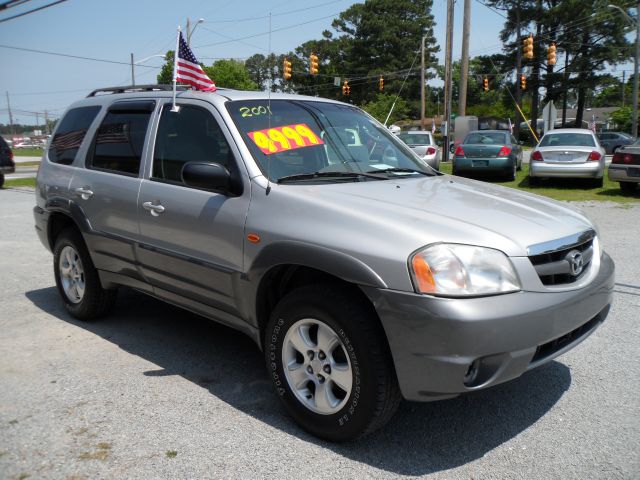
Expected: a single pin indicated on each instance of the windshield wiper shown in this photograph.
(328, 175)
(400, 170)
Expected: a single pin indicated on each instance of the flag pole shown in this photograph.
(174, 107)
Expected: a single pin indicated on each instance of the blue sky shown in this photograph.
(112, 30)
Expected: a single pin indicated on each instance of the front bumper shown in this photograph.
(442, 347)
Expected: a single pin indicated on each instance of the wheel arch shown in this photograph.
(281, 268)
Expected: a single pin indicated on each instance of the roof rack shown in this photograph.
(135, 88)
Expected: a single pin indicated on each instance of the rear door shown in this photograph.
(191, 240)
(107, 188)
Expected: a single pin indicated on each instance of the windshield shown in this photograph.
(295, 138)
(567, 140)
(416, 138)
(493, 138)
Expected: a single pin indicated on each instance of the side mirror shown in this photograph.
(207, 176)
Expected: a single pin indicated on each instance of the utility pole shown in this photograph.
(37, 120)
(133, 76)
(10, 115)
(188, 33)
(447, 81)
(566, 80)
(464, 66)
(634, 120)
(624, 81)
(516, 127)
(422, 86)
(46, 122)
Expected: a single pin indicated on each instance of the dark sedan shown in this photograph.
(612, 141)
(493, 152)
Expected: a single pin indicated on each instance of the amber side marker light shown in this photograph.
(253, 238)
(423, 275)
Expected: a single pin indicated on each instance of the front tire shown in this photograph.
(330, 364)
(77, 278)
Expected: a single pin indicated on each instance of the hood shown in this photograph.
(411, 213)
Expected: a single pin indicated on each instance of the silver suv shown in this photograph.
(363, 274)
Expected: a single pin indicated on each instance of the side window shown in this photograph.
(70, 133)
(118, 144)
(190, 135)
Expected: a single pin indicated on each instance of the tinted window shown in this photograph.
(119, 141)
(605, 136)
(70, 133)
(486, 138)
(189, 135)
(568, 139)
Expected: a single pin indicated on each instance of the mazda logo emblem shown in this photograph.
(576, 262)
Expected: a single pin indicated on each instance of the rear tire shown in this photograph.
(1, 179)
(329, 362)
(597, 183)
(77, 278)
(511, 176)
(628, 187)
(533, 181)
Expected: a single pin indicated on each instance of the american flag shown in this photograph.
(68, 141)
(188, 69)
(113, 133)
(433, 126)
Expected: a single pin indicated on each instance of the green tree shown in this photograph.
(165, 77)
(380, 107)
(622, 118)
(230, 74)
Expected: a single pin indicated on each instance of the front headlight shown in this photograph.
(462, 270)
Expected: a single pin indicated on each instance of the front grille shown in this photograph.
(553, 268)
(550, 348)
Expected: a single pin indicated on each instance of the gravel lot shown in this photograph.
(155, 392)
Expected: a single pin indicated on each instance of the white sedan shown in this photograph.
(568, 153)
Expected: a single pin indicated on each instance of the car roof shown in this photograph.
(221, 95)
(489, 131)
(570, 130)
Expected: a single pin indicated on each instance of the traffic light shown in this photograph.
(346, 89)
(527, 47)
(381, 83)
(286, 69)
(523, 82)
(551, 54)
(485, 83)
(313, 64)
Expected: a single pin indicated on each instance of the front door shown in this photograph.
(191, 240)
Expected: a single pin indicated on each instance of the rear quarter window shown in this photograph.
(70, 134)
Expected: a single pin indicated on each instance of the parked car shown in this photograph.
(625, 167)
(612, 141)
(7, 164)
(493, 152)
(568, 153)
(23, 145)
(423, 143)
(364, 275)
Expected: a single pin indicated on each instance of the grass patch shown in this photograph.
(171, 453)
(567, 189)
(27, 152)
(21, 182)
(101, 454)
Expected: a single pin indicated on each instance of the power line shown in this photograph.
(32, 11)
(68, 55)
(248, 19)
(267, 32)
(12, 3)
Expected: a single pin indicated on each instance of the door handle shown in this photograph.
(84, 192)
(154, 209)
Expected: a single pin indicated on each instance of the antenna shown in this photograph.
(269, 106)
